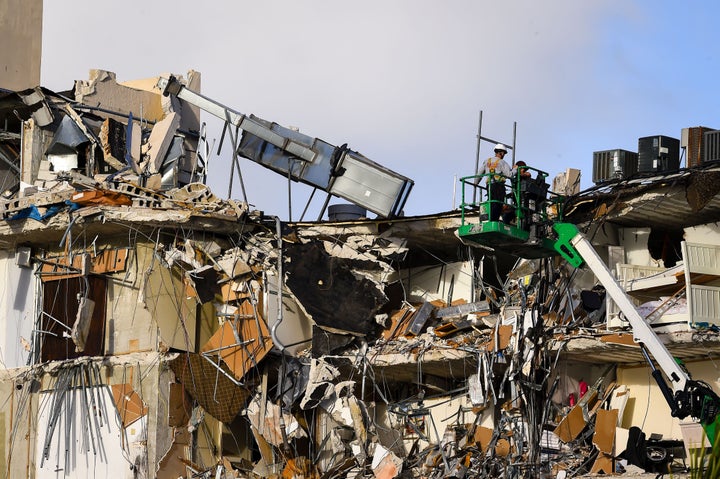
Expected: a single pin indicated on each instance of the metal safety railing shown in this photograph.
(526, 198)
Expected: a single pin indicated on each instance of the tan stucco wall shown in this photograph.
(21, 33)
(646, 406)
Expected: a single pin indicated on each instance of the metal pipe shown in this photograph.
(477, 153)
(273, 331)
(514, 140)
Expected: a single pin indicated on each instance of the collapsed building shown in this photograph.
(154, 329)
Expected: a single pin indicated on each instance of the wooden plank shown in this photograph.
(571, 425)
(107, 261)
(605, 424)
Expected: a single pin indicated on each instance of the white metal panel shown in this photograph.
(368, 184)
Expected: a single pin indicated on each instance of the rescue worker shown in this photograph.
(496, 166)
(520, 176)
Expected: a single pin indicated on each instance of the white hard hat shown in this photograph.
(500, 146)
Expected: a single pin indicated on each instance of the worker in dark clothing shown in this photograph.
(520, 175)
(499, 169)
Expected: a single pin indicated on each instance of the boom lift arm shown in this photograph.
(684, 395)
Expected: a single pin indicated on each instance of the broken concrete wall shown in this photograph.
(103, 90)
(428, 422)
(19, 431)
(114, 412)
(112, 128)
(34, 142)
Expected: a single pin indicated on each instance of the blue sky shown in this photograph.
(403, 81)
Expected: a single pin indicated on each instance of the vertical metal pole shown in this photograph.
(477, 154)
(290, 165)
(307, 205)
(236, 164)
(514, 137)
(232, 171)
(324, 206)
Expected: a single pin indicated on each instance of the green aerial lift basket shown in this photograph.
(528, 201)
(506, 237)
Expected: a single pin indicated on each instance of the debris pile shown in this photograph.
(153, 329)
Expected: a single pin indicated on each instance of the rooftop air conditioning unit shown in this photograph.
(611, 165)
(711, 140)
(658, 154)
(693, 141)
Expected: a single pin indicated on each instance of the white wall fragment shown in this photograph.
(270, 423)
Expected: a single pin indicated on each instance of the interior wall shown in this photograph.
(703, 234)
(17, 310)
(439, 282)
(635, 242)
(646, 406)
(130, 325)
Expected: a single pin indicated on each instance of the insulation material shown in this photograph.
(476, 389)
